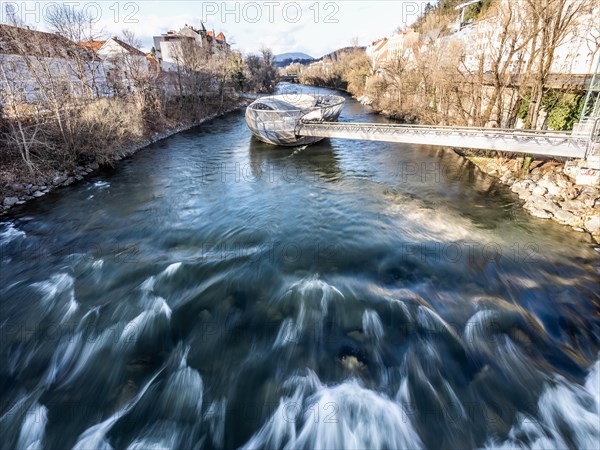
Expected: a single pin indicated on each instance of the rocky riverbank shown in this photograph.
(20, 193)
(548, 190)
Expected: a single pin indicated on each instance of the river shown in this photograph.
(213, 291)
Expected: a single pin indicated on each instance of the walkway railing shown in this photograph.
(542, 142)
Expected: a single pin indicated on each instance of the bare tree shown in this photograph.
(79, 26)
(22, 132)
(552, 21)
(46, 64)
(507, 38)
(260, 72)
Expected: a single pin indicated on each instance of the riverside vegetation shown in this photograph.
(431, 87)
(74, 121)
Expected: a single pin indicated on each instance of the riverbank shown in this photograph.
(547, 189)
(22, 191)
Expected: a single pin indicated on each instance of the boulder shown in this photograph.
(554, 189)
(573, 205)
(539, 202)
(590, 191)
(562, 181)
(549, 181)
(58, 180)
(524, 195)
(589, 202)
(571, 169)
(570, 193)
(520, 186)
(10, 201)
(540, 213)
(38, 194)
(567, 217)
(593, 225)
(17, 187)
(539, 190)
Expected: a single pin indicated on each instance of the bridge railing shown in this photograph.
(461, 129)
(545, 142)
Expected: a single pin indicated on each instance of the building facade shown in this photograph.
(167, 46)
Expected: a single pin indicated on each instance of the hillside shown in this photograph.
(334, 56)
(292, 56)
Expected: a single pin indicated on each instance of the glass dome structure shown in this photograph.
(273, 119)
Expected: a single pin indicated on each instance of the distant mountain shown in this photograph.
(292, 56)
(285, 59)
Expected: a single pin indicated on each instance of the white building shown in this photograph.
(481, 40)
(35, 65)
(123, 64)
(167, 46)
(400, 43)
(377, 52)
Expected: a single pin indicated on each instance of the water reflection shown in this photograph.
(317, 162)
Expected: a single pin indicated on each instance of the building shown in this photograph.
(400, 43)
(167, 46)
(377, 52)
(123, 63)
(36, 65)
(481, 39)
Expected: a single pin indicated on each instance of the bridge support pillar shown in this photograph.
(588, 170)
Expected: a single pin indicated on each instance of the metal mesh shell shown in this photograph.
(273, 119)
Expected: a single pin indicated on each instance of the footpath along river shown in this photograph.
(216, 292)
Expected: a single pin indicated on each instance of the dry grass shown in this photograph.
(106, 125)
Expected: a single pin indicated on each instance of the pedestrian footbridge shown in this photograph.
(541, 142)
(300, 119)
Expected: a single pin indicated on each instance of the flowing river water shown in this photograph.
(216, 292)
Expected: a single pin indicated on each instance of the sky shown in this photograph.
(311, 27)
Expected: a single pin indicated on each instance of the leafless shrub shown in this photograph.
(107, 125)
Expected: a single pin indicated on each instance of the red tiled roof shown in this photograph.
(220, 37)
(152, 61)
(379, 42)
(92, 45)
(382, 44)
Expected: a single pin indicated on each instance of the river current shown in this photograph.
(216, 292)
